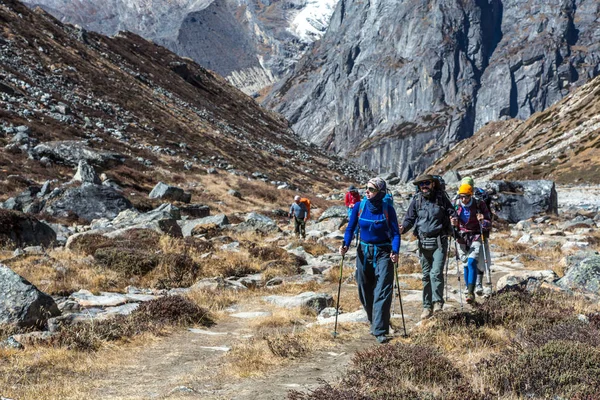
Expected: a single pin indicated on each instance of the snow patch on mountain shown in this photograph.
(312, 21)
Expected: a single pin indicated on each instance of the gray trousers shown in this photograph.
(432, 264)
(375, 279)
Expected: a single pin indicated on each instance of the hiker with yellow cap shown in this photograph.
(473, 218)
(429, 212)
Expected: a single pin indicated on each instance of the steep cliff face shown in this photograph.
(251, 42)
(561, 143)
(394, 84)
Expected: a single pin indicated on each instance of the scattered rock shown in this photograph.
(316, 301)
(166, 192)
(86, 174)
(522, 277)
(23, 305)
(583, 273)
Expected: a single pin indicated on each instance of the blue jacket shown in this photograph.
(374, 229)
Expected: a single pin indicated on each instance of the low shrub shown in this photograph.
(172, 310)
(177, 270)
(328, 392)
(150, 316)
(268, 253)
(127, 261)
(558, 368)
(315, 249)
(287, 345)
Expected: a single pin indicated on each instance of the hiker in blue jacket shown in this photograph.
(376, 254)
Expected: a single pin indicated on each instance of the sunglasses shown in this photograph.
(424, 183)
(372, 189)
(464, 196)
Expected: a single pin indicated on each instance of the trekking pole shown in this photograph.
(458, 271)
(447, 262)
(400, 298)
(337, 307)
(488, 279)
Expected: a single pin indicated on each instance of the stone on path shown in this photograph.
(316, 301)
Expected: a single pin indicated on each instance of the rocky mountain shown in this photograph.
(134, 111)
(394, 84)
(561, 143)
(251, 42)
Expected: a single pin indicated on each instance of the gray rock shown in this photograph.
(23, 305)
(166, 192)
(333, 212)
(24, 230)
(216, 284)
(87, 299)
(195, 210)
(522, 277)
(10, 343)
(187, 226)
(86, 174)
(583, 273)
(257, 223)
(316, 301)
(234, 193)
(88, 202)
(521, 200)
(451, 177)
(70, 152)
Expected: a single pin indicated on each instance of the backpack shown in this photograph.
(306, 202)
(482, 195)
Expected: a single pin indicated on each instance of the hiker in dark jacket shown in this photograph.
(299, 212)
(429, 212)
(376, 255)
(472, 218)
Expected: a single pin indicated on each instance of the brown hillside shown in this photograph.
(170, 117)
(561, 143)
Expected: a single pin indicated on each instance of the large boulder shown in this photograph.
(166, 192)
(88, 202)
(258, 223)
(24, 230)
(71, 152)
(316, 301)
(23, 305)
(521, 200)
(334, 212)
(583, 273)
(188, 226)
(86, 174)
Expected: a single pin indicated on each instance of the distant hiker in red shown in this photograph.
(352, 198)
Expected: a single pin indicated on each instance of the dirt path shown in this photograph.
(187, 364)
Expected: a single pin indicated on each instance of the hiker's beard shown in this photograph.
(426, 192)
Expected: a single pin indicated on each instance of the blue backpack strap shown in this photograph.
(362, 206)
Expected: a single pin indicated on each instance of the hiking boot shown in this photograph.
(382, 339)
(427, 313)
(479, 289)
(470, 298)
(437, 307)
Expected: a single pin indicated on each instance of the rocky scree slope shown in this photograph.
(395, 84)
(251, 42)
(133, 110)
(561, 143)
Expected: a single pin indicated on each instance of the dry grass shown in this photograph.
(408, 264)
(411, 283)
(216, 301)
(257, 356)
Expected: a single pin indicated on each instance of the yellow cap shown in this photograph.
(465, 189)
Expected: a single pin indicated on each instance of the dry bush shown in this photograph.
(172, 310)
(558, 368)
(510, 245)
(268, 253)
(328, 392)
(134, 238)
(250, 358)
(287, 346)
(175, 271)
(215, 301)
(333, 274)
(151, 316)
(315, 249)
(127, 261)
(231, 264)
